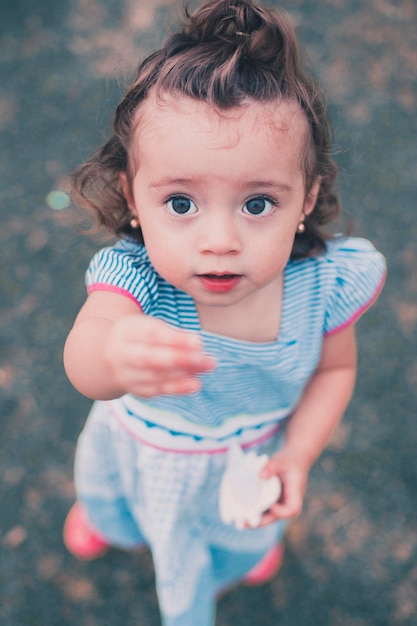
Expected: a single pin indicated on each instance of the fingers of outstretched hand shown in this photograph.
(151, 358)
(163, 361)
(150, 378)
(157, 332)
(176, 386)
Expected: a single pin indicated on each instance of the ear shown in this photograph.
(311, 197)
(127, 192)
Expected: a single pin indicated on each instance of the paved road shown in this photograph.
(351, 556)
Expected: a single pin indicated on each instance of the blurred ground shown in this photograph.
(351, 557)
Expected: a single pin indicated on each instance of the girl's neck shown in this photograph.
(255, 319)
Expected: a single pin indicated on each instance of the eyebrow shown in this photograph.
(166, 182)
(270, 184)
(255, 184)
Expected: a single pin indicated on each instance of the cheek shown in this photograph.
(274, 249)
(164, 257)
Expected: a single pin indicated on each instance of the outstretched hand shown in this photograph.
(148, 357)
(114, 349)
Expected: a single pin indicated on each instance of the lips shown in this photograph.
(219, 283)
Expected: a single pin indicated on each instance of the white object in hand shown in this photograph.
(244, 496)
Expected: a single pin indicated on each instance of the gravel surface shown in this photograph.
(351, 556)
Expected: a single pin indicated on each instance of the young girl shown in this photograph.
(223, 316)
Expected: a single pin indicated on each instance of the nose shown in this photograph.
(219, 235)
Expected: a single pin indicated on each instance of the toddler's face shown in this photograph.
(219, 196)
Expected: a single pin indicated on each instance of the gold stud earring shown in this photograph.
(301, 228)
(134, 222)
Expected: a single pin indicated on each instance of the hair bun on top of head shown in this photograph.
(242, 23)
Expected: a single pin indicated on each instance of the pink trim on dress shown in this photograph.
(113, 289)
(360, 311)
(143, 441)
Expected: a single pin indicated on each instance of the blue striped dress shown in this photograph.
(148, 470)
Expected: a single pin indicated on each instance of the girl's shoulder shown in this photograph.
(124, 268)
(352, 250)
(351, 256)
(342, 282)
(353, 264)
(127, 252)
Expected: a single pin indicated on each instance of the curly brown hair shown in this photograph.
(229, 52)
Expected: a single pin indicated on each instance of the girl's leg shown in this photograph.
(201, 613)
(103, 515)
(184, 581)
(231, 568)
(228, 569)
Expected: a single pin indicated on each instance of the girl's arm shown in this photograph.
(113, 349)
(310, 427)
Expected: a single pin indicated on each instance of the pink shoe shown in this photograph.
(80, 537)
(267, 567)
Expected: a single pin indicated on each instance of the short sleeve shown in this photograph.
(124, 269)
(357, 274)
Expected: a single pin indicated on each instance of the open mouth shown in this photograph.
(220, 276)
(219, 283)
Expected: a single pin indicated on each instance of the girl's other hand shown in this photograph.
(293, 475)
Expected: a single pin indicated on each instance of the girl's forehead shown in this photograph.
(168, 114)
